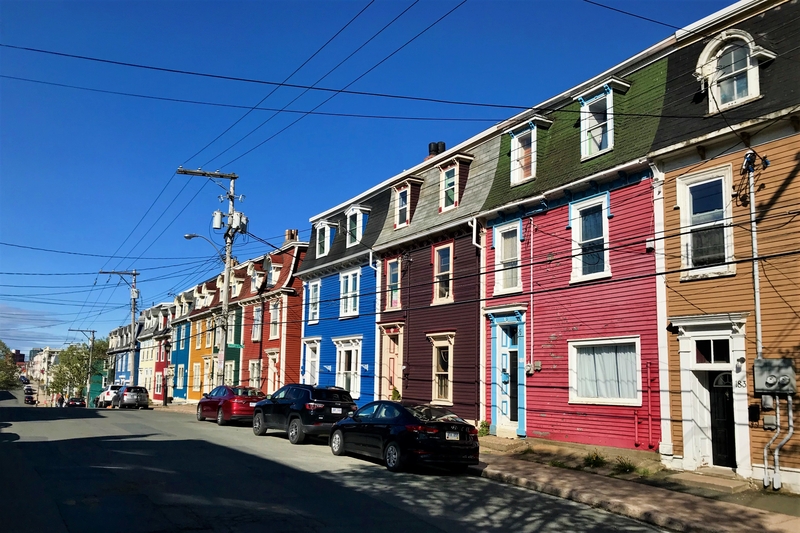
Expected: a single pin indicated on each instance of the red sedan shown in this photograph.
(228, 403)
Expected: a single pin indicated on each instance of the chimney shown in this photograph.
(290, 236)
(434, 149)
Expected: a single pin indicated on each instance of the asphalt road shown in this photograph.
(89, 470)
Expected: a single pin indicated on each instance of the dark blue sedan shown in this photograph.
(404, 434)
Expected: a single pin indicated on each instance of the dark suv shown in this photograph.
(302, 410)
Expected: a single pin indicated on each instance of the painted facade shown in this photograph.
(181, 328)
(201, 341)
(122, 361)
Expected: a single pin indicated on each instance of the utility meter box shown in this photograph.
(774, 376)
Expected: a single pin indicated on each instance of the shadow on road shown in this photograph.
(6, 395)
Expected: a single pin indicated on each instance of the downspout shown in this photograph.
(775, 436)
(650, 443)
(776, 480)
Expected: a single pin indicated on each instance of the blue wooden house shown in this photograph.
(183, 305)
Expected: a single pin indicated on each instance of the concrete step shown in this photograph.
(721, 484)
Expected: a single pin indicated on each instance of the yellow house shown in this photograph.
(201, 342)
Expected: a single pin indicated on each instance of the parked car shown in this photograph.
(404, 434)
(76, 402)
(29, 390)
(30, 399)
(227, 403)
(302, 410)
(107, 395)
(24, 380)
(131, 396)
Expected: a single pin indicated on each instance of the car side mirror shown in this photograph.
(268, 397)
(205, 395)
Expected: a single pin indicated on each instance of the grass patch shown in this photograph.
(644, 472)
(624, 466)
(483, 428)
(558, 464)
(594, 460)
(527, 450)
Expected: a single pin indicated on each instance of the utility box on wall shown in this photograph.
(774, 376)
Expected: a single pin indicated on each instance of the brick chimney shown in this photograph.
(290, 236)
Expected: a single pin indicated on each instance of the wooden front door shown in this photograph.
(723, 443)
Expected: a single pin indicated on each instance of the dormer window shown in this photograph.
(597, 117)
(401, 207)
(324, 238)
(356, 219)
(728, 69)
(449, 193)
(452, 181)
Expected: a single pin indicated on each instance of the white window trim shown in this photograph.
(683, 183)
(398, 223)
(585, 114)
(274, 319)
(198, 341)
(497, 241)
(439, 340)
(449, 298)
(358, 212)
(209, 332)
(389, 305)
(349, 343)
(228, 372)
(181, 377)
(325, 230)
(255, 373)
(258, 319)
(577, 276)
(573, 371)
(707, 71)
(442, 171)
(516, 169)
(343, 298)
(315, 342)
(314, 303)
(157, 384)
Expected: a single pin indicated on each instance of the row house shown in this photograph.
(163, 368)
(180, 330)
(123, 355)
(201, 340)
(150, 351)
(727, 158)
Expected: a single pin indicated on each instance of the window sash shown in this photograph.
(209, 332)
(449, 198)
(523, 157)
(442, 273)
(607, 371)
(196, 376)
(393, 283)
(274, 312)
(402, 207)
(347, 371)
(313, 301)
(349, 294)
(509, 259)
(352, 229)
(312, 364)
(257, 314)
(322, 240)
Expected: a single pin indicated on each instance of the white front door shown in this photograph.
(508, 378)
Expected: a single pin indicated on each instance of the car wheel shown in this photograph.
(296, 433)
(337, 442)
(259, 426)
(393, 457)
(200, 416)
(220, 417)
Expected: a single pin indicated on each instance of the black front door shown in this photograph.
(723, 443)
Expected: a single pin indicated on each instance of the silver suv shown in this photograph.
(131, 396)
(107, 395)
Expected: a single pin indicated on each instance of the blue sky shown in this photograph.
(87, 178)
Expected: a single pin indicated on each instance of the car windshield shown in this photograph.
(136, 389)
(247, 391)
(76, 399)
(332, 395)
(429, 413)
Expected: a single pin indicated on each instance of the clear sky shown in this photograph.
(89, 149)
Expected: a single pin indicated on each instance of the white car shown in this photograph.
(107, 395)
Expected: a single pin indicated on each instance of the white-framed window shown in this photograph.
(442, 364)
(158, 383)
(182, 335)
(523, 154)
(705, 205)
(348, 292)
(393, 283)
(273, 371)
(589, 226)
(605, 371)
(256, 332)
(273, 272)
(255, 373)
(228, 372)
(348, 364)
(448, 188)
(508, 250)
(181, 377)
(728, 69)
(356, 219)
(254, 281)
(274, 318)
(209, 332)
(443, 273)
(597, 123)
(323, 243)
(313, 301)
(311, 367)
(401, 208)
(231, 327)
(198, 335)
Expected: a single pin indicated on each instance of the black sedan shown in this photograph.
(403, 434)
(76, 402)
(30, 399)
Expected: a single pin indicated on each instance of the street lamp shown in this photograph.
(190, 236)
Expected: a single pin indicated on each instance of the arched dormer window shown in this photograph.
(728, 69)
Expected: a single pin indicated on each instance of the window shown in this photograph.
(393, 284)
(605, 371)
(311, 374)
(228, 372)
(401, 207)
(597, 134)
(589, 225)
(348, 293)
(523, 154)
(273, 371)
(256, 333)
(348, 364)
(706, 232)
(356, 219)
(209, 332)
(442, 367)
(158, 383)
(313, 301)
(181, 378)
(443, 274)
(507, 258)
(712, 351)
(198, 335)
(274, 317)
(255, 373)
(323, 239)
(182, 338)
(448, 192)
(231, 324)
(273, 272)
(728, 69)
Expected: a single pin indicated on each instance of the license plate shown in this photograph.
(452, 435)
(336, 410)
(253, 404)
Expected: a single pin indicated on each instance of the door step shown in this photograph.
(720, 484)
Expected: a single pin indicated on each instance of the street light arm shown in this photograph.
(190, 236)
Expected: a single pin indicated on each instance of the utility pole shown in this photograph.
(236, 222)
(91, 351)
(134, 296)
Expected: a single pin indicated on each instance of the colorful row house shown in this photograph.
(180, 329)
